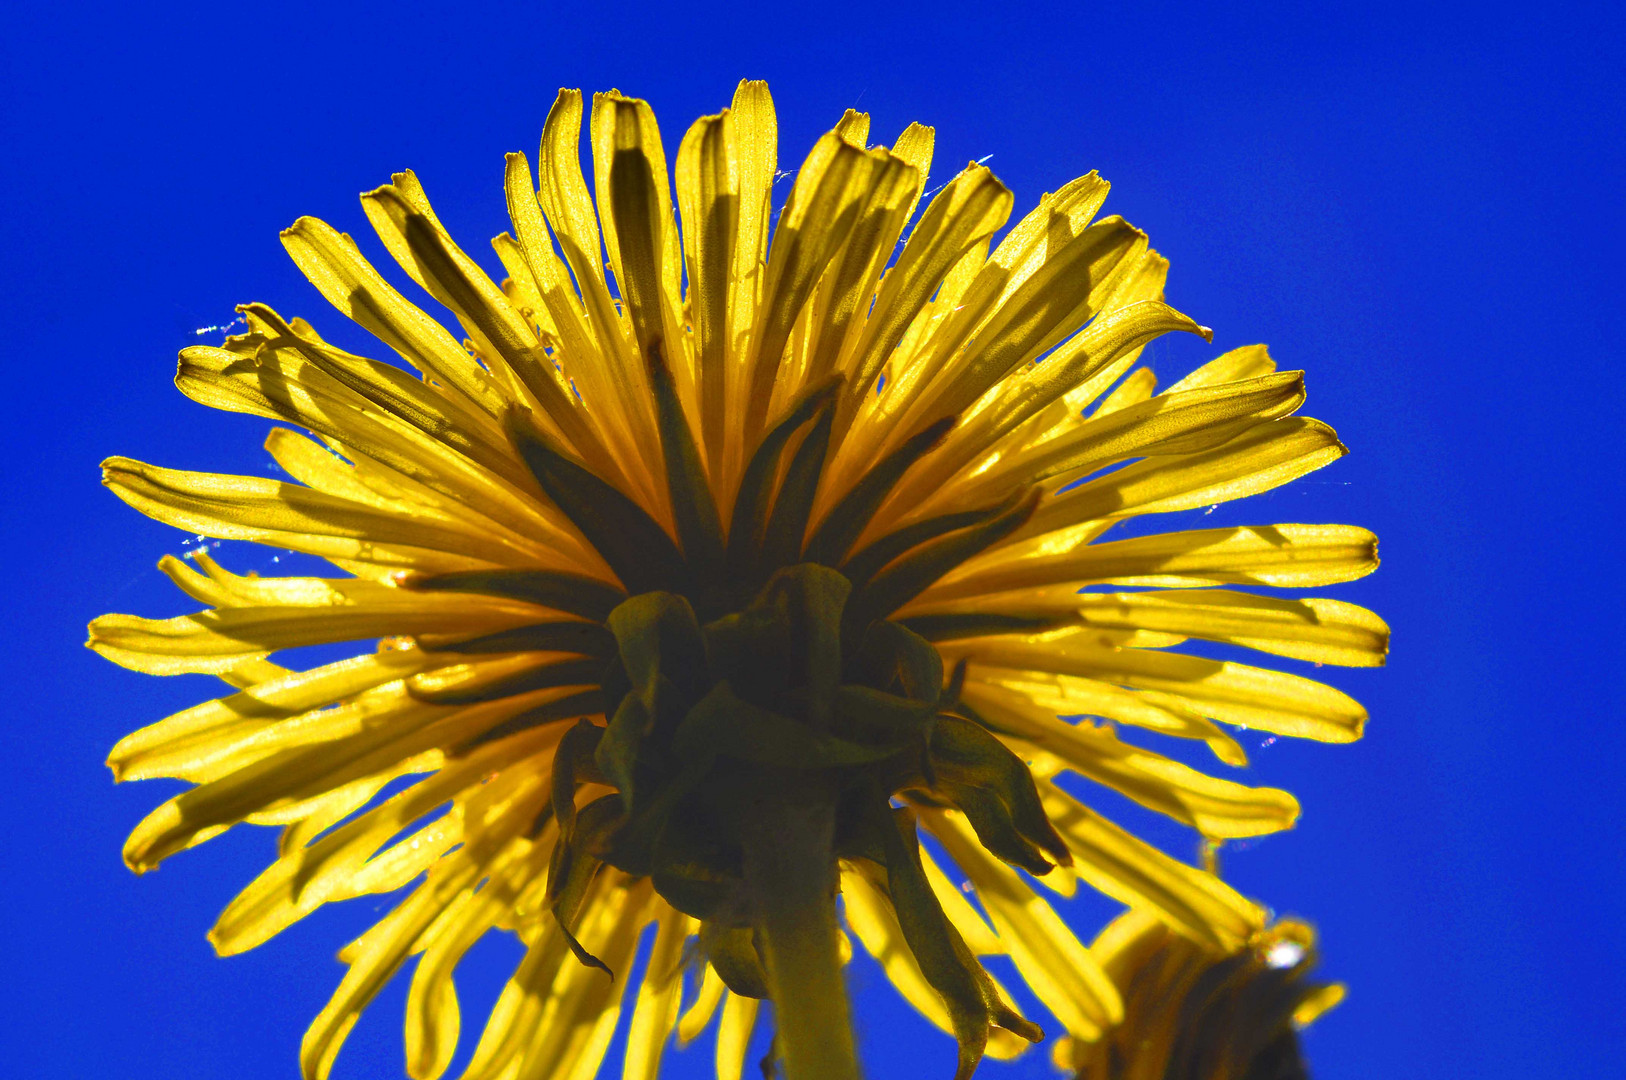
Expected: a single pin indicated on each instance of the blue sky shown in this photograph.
(1418, 204)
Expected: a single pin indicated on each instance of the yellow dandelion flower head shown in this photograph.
(708, 571)
(1194, 1012)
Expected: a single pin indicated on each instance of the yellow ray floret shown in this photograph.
(736, 541)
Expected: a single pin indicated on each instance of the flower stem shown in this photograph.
(791, 871)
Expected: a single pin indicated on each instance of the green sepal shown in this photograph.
(572, 594)
(963, 708)
(617, 752)
(584, 672)
(633, 543)
(990, 818)
(574, 752)
(636, 843)
(724, 724)
(797, 613)
(575, 863)
(892, 655)
(699, 528)
(746, 524)
(732, 952)
(1003, 1015)
(956, 627)
(659, 638)
(695, 869)
(945, 961)
(846, 521)
(874, 717)
(969, 758)
(793, 504)
(663, 658)
(585, 638)
(909, 576)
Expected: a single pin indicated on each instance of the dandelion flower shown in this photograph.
(703, 585)
(1191, 1013)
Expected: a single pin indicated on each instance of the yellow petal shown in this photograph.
(1055, 964)
(291, 777)
(432, 1014)
(336, 267)
(563, 1032)
(1217, 808)
(978, 936)
(659, 995)
(184, 744)
(699, 1014)
(1319, 1001)
(378, 962)
(1248, 362)
(613, 395)
(1060, 296)
(1286, 556)
(1266, 456)
(285, 515)
(505, 340)
(708, 198)
(915, 145)
(1137, 388)
(968, 210)
(1070, 695)
(331, 809)
(841, 304)
(734, 1034)
(1030, 390)
(1126, 868)
(831, 187)
(519, 1008)
(280, 383)
(1059, 218)
(635, 212)
(217, 640)
(1232, 693)
(521, 287)
(373, 484)
(1170, 423)
(945, 247)
(755, 150)
(569, 210)
(1318, 630)
(253, 672)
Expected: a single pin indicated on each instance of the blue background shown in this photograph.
(1420, 204)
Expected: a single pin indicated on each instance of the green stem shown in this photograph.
(791, 871)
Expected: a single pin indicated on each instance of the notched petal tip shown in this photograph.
(302, 224)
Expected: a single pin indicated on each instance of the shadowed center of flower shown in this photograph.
(764, 712)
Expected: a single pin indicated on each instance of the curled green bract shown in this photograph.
(782, 702)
